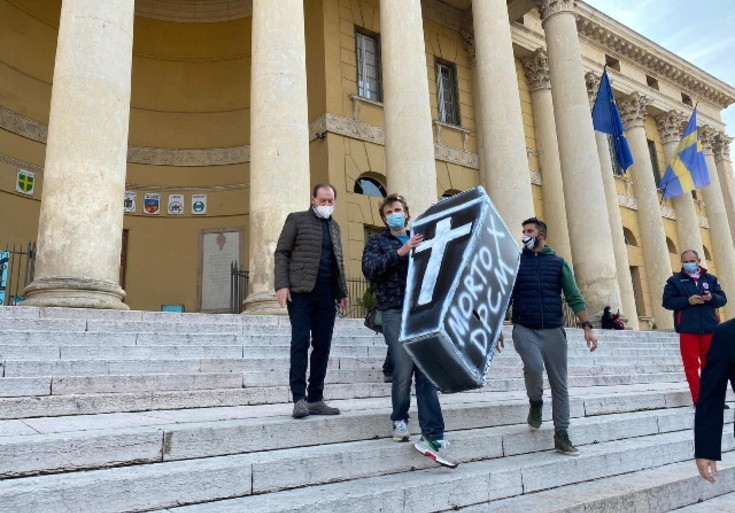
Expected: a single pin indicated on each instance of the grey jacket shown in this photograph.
(298, 252)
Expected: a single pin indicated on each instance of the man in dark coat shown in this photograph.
(309, 280)
(693, 294)
(708, 419)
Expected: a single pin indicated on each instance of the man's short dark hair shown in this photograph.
(390, 199)
(321, 186)
(540, 225)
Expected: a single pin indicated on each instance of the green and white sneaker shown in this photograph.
(435, 450)
(400, 431)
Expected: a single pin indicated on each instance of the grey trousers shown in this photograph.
(539, 348)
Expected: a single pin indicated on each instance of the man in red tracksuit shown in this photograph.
(694, 294)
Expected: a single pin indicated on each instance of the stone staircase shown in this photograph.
(106, 411)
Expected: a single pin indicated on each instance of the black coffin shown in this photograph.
(459, 285)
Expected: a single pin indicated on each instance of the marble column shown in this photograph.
(655, 251)
(279, 139)
(81, 218)
(505, 174)
(721, 149)
(629, 310)
(409, 142)
(722, 243)
(552, 188)
(687, 221)
(584, 193)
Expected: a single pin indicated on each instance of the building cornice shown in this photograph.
(620, 41)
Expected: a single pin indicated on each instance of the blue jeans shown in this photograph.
(312, 321)
(431, 421)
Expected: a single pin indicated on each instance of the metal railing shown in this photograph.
(17, 267)
(356, 288)
(238, 286)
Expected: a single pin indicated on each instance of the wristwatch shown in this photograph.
(586, 325)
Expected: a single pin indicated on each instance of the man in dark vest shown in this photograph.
(309, 280)
(538, 328)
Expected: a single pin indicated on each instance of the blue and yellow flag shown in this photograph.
(688, 168)
(606, 118)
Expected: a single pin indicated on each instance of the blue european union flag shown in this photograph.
(606, 118)
(688, 169)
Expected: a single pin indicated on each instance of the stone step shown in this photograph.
(143, 383)
(470, 484)
(476, 429)
(675, 487)
(502, 366)
(150, 486)
(724, 503)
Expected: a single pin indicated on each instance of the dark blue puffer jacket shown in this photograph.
(694, 319)
(388, 271)
(536, 300)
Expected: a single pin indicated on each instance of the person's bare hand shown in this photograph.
(707, 469)
(344, 304)
(707, 296)
(501, 344)
(410, 244)
(282, 296)
(696, 299)
(591, 339)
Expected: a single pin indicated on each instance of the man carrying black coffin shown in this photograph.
(385, 264)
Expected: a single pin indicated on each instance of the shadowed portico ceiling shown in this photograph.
(204, 11)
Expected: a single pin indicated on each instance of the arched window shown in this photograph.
(707, 254)
(629, 238)
(370, 187)
(671, 246)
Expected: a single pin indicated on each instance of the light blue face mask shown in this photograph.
(396, 222)
(690, 267)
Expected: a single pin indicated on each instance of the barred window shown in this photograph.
(617, 170)
(654, 161)
(368, 66)
(446, 92)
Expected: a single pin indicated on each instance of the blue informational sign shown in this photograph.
(4, 264)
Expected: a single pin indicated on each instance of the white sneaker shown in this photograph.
(435, 450)
(400, 431)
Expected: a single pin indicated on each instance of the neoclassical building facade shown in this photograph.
(163, 138)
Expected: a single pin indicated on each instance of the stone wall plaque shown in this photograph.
(218, 249)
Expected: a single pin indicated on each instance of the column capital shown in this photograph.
(592, 81)
(670, 126)
(467, 33)
(633, 109)
(537, 70)
(548, 8)
(722, 146)
(707, 135)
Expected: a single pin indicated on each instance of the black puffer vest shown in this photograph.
(537, 302)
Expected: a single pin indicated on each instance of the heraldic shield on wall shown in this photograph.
(460, 281)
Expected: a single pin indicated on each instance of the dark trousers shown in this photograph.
(312, 322)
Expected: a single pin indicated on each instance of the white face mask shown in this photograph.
(529, 242)
(324, 211)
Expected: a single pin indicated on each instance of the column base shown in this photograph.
(262, 303)
(75, 292)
